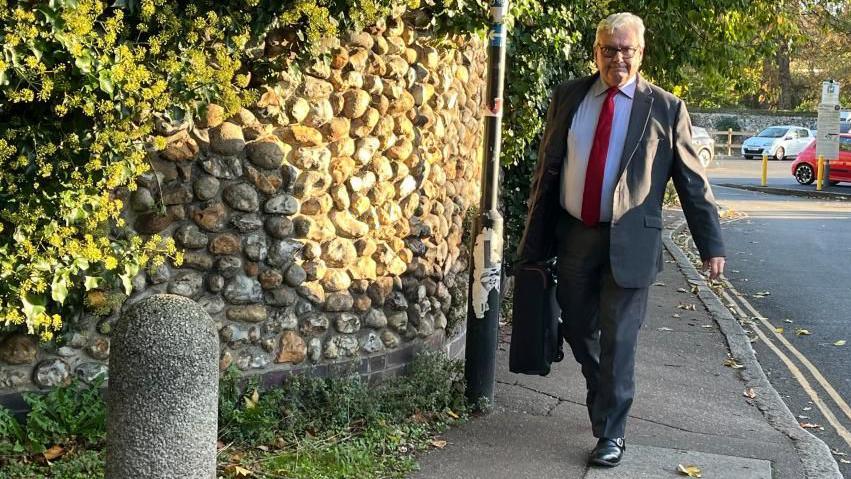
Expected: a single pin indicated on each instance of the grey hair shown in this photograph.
(618, 21)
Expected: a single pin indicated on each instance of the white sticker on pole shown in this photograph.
(827, 132)
(485, 280)
(498, 10)
(494, 108)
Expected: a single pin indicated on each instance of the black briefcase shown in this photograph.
(536, 339)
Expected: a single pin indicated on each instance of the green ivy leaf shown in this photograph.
(81, 264)
(33, 305)
(59, 289)
(126, 281)
(92, 282)
(105, 82)
(85, 61)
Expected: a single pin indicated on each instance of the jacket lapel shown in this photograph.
(638, 118)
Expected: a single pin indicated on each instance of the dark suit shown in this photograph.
(605, 271)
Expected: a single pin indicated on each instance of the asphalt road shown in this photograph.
(799, 251)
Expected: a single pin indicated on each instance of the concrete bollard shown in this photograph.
(162, 398)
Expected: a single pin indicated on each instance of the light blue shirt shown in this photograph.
(580, 138)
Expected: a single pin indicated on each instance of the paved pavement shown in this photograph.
(690, 409)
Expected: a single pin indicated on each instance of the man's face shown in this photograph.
(616, 70)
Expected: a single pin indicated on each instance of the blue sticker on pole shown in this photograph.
(498, 9)
(497, 35)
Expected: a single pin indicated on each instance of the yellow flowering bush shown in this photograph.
(82, 85)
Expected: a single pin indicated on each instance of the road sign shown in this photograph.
(827, 130)
(830, 92)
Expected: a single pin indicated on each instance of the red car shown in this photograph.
(804, 167)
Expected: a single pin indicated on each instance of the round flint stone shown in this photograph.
(51, 373)
(242, 196)
(243, 290)
(163, 391)
(282, 205)
(190, 237)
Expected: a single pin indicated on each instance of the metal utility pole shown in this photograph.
(486, 267)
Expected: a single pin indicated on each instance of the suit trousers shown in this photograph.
(600, 322)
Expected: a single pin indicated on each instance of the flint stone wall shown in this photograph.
(320, 227)
(753, 120)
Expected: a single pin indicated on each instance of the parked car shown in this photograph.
(704, 144)
(805, 167)
(779, 142)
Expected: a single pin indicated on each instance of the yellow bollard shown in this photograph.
(820, 173)
(764, 169)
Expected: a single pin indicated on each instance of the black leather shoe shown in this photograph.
(608, 452)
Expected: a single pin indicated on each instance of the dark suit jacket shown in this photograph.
(657, 148)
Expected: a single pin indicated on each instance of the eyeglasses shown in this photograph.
(610, 52)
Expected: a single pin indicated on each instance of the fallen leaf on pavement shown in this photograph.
(659, 283)
(53, 453)
(438, 443)
(841, 342)
(844, 461)
(809, 425)
(675, 315)
(802, 332)
(452, 414)
(687, 307)
(690, 470)
(237, 472)
(808, 408)
(778, 330)
(732, 363)
(787, 320)
(749, 393)
(682, 290)
(664, 329)
(761, 294)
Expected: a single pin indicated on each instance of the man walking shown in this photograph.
(611, 143)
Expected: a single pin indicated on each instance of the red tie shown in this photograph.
(597, 161)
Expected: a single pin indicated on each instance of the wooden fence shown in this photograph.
(726, 144)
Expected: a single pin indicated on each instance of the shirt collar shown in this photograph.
(627, 89)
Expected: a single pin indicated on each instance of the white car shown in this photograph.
(778, 142)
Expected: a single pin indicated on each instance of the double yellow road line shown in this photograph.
(768, 334)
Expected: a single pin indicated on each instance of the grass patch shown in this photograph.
(317, 428)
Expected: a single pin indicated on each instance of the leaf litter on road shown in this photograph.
(749, 393)
(689, 470)
(733, 363)
(841, 342)
(802, 332)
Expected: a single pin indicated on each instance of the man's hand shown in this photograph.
(715, 266)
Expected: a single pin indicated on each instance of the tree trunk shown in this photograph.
(787, 94)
